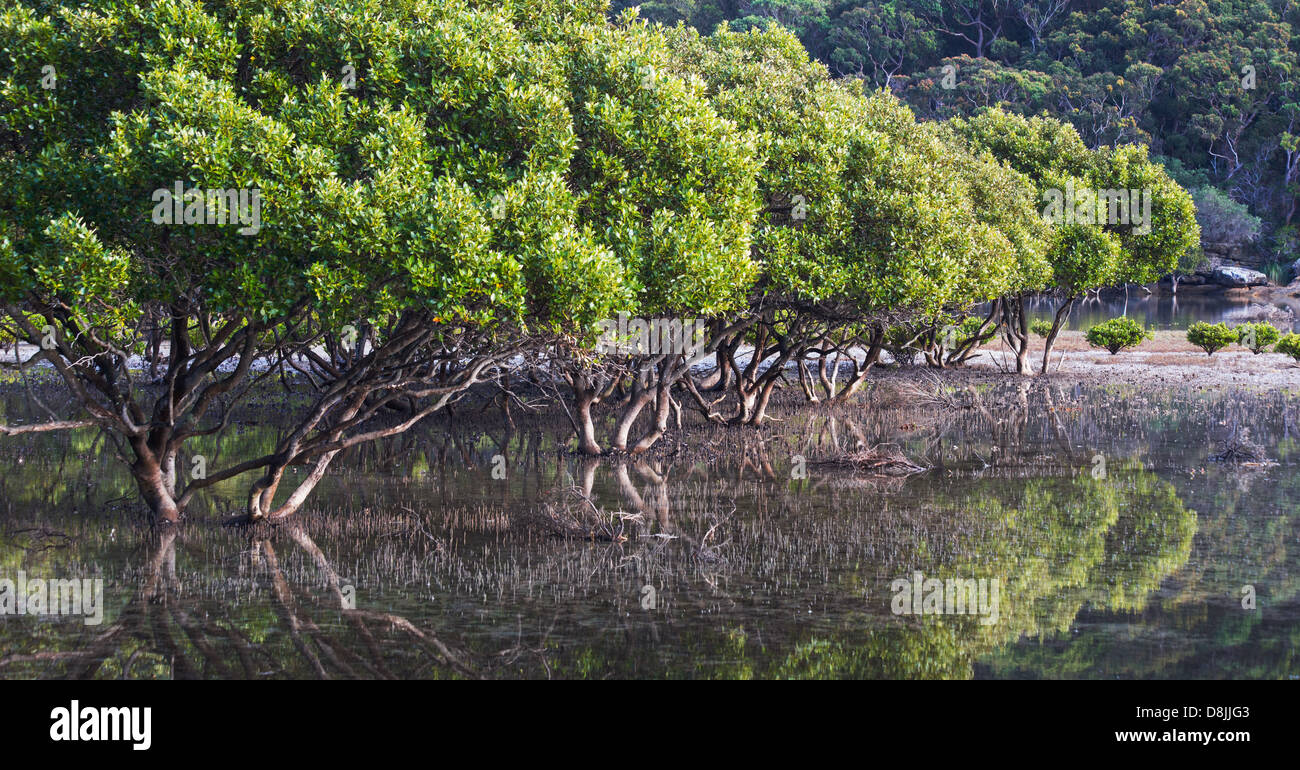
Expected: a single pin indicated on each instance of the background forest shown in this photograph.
(1208, 84)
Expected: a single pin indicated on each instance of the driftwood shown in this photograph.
(1241, 451)
(880, 460)
(571, 514)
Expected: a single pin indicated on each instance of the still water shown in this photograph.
(1120, 547)
(1162, 311)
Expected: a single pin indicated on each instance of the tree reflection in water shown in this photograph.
(755, 571)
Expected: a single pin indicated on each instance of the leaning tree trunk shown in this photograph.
(1062, 315)
(1022, 355)
(644, 387)
(759, 413)
(719, 380)
(828, 374)
(158, 493)
(860, 372)
(1015, 329)
(334, 415)
(754, 386)
(585, 397)
(299, 495)
(154, 471)
(663, 409)
(806, 384)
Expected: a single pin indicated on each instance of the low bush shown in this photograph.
(1258, 337)
(1210, 337)
(1289, 345)
(1117, 334)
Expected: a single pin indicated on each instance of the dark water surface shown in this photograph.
(1161, 311)
(1121, 547)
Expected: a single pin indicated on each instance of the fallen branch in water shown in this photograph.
(880, 460)
(573, 515)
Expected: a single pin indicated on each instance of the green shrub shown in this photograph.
(1257, 336)
(1042, 327)
(1289, 345)
(1210, 337)
(1117, 334)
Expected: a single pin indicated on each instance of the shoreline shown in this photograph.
(1166, 359)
